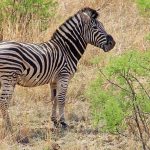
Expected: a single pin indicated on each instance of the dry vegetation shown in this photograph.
(31, 107)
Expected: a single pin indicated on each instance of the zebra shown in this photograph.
(53, 62)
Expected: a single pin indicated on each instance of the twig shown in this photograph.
(141, 86)
(145, 67)
(135, 108)
(139, 112)
(113, 82)
(138, 116)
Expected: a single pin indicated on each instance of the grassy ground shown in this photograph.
(31, 107)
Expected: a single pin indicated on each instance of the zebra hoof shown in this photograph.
(22, 140)
(56, 124)
(64, 125)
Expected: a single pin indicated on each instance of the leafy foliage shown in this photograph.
(111, 94)
(23, 11)
(132, 61)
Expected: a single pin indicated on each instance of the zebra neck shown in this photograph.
(69, 37)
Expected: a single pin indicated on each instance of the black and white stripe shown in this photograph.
(52, 62)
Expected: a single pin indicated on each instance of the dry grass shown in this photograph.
(31, 107)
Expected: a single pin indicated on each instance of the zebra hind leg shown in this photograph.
(5, 97)
(61, 95)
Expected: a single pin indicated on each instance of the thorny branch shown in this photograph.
(113, 82)
(142, 117)
(139, 117)
(141, 86)
(136, 110)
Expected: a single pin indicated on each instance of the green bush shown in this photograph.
(110, 94)
(26, 10)
(106, 107)
(134, 61)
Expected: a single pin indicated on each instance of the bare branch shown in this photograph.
(113, 82)
(141, 86)
(136, 111)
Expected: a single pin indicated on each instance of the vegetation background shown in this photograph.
(106, 88)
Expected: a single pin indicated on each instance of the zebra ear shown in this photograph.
(90, 12)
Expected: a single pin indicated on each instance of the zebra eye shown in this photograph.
(94, 27)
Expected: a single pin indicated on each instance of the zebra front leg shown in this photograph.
(5, 97)
(5, 115)
(62, 86)
(54, 104)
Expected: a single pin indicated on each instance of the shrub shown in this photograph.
(119, 86)
(23, 11)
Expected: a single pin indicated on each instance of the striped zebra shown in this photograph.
(53, 62)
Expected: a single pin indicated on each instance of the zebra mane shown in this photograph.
(90, 12)
(87, 11)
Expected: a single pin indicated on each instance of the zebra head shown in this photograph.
(94, 32)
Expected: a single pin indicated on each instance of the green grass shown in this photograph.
(148, 37)
(144, 6)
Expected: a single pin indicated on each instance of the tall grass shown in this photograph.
(19, 19)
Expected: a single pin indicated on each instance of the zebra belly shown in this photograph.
(37, 80)
(31, 83)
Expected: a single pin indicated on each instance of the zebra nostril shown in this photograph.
(109, 39)
(110, 42)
